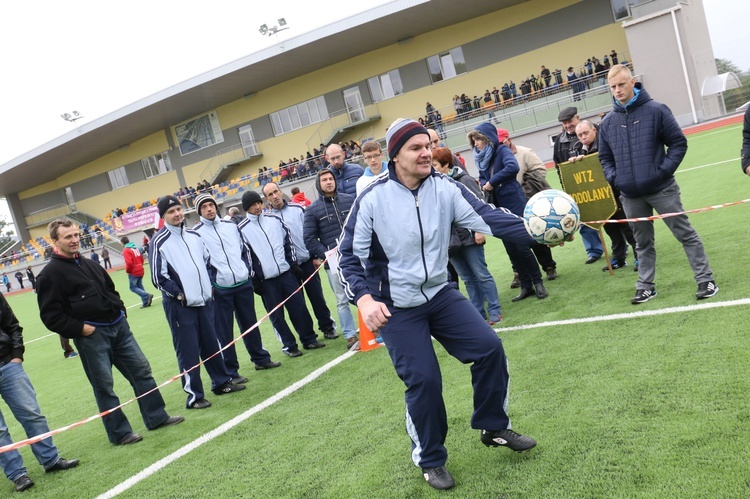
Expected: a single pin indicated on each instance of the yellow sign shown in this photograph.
(584, 181)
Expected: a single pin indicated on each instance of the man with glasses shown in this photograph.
(375, 165)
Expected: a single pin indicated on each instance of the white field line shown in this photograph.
(162, 463)
(629, 315)
(724, 129)
(707, 165)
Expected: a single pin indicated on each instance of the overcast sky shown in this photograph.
(96, 57)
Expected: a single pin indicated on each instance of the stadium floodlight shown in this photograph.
(274, 30)
(72, 116)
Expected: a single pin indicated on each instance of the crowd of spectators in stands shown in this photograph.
(531, 87)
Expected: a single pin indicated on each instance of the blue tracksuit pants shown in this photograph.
(239, 302)
(194, 338)
(453, 321)
(274, 292)
(314, 292)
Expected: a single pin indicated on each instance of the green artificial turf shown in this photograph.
(641, 406)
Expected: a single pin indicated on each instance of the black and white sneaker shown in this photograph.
(643, 295)
(438, 477)
(706, 290)
(228, 387)
(507, 438)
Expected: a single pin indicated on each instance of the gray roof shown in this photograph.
(337, 42)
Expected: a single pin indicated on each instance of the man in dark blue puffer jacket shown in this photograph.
(632, 143)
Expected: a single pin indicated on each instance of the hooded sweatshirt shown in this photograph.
(324, 220)
(133, 260)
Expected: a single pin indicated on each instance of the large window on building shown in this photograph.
(118, 178)
(385, 86)
(156, 164)
(300, 115)
(446, 65)
(197, 133)
(248, 140)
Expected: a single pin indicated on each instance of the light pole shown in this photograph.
(72, 117)
(273, 30)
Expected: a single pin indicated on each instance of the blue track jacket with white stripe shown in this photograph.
(228, 255)
(179, 264)
(269, 241)
(293, 216)
(395, 242)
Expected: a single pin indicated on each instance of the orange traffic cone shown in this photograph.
(366, 338)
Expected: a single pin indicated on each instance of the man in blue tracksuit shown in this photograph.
(179, 261)
(277, 274)
(346, 174)
(233, 289)
(395, 270)
(293, 216)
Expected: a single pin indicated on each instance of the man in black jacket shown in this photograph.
(77, 299)
(19, 394)
(640, 147)
(324, 220)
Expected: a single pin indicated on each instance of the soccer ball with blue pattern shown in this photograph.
(551, 217)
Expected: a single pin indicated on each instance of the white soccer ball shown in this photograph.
(551, 216)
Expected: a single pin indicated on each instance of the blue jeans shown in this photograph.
(136, 286)
(116, 345)
(19, 394)
(346, 320)
(472, 268)
(591, 242)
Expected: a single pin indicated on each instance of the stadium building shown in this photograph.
(349, 81)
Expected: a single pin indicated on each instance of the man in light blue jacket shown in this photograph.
(276, 274)
(179, 270)
(395, 270)
(232, 286)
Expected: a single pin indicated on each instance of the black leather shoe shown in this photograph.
(592, 259)
(200, 404)
(171, 421)
(525, 293)
(541, 291)
(239, 380)
(62, 464)
(314, 346)
(330, 334)
(267, 365)
(23, 483)
(130, 438)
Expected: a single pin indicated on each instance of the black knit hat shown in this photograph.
(249, 199)
(165, 203)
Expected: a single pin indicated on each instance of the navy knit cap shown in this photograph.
(399, 132)
(165, 203)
